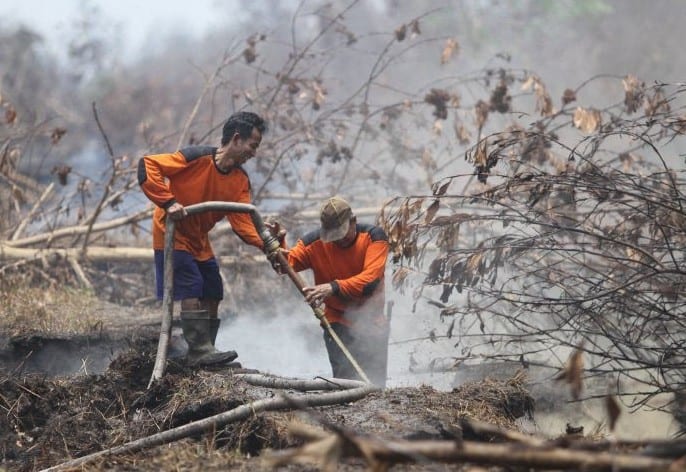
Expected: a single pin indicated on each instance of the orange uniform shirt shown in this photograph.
(356, 273)
(191, 176)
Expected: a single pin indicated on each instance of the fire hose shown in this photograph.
(272, 248)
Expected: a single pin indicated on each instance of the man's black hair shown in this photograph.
(242, 123)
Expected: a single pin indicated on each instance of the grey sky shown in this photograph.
(135, 19)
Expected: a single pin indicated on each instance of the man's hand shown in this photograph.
(316, 295)
(275, 260)
(277, 231)
(176, 211)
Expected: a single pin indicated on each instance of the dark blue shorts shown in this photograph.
(192, 279)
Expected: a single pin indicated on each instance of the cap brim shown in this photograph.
(334, 234)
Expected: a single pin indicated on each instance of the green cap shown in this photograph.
(335, 215)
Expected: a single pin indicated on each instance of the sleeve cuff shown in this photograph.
(335, 287)
(169, 203)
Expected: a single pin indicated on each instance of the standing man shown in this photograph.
(192, 175)
(348, 260)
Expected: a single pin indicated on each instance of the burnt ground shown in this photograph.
(51, 415)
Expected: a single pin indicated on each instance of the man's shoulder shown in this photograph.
(191, 153)
(376, 233)
(310, 238)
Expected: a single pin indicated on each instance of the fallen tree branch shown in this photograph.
(106, 254)
(211, 423)
(81, 229)
(80, 274)
(541, 458)
(48, 190)
(304, 385)
(143, 215)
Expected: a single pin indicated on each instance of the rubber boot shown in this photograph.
(200, 331)
(214, 329)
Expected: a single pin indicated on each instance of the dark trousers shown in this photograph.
(370, 350)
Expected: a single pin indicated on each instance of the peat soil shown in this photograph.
(67, 397)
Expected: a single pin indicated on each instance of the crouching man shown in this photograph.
(348, 260)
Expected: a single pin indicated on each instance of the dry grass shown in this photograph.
(495, 401)
(187, 455)
(53, 311)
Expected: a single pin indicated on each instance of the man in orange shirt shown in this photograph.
(348, 260)
(192, 175)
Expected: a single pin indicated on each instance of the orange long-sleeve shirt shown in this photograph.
(356, 273)
(191, 176)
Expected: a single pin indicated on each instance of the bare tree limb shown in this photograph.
(46, 193)
(217, 421)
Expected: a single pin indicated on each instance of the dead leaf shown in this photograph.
(679, 125)
(613, 410)
(428, 161)
(414, 27)
(399, 276)
(453, 220)
(568, 96)
(396, 232)
(461, 133)
(62, 172)
(293, 87)
(587, 120)
(18, 194)
(481, 110)
(416, 207)
(249, 54)
(657, 103)
(573, 372)
(451, 47)
(474, 261)
(633, 93)
(440, 191)
(500, 100)
(10, 115)
(431, 211)
(400, 32)
(633, 254)
(480, 155)
(57, 134)
(529, 83)
(319, 95)
(439, 99)
(450, 330)
(438, 127)
(544, 104)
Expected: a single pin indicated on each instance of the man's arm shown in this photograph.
(299, 256)
(364, 284)
(152, 171)
(242, 224)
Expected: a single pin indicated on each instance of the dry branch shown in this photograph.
(543, 458)
(268, 381)
(80, 274)
(217, 421)
(48, 190)
(81, 229)
(105, 254)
